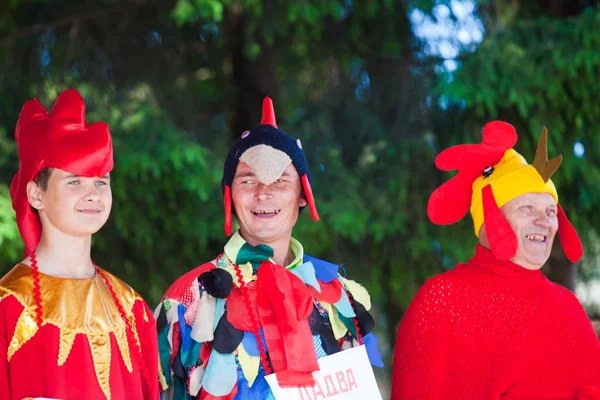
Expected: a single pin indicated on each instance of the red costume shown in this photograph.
(69, 338)
(491, 329)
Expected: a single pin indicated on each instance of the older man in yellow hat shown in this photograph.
(496, 327)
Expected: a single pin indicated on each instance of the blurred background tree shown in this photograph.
(374, 89)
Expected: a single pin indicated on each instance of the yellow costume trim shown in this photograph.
(3, 293)
(121, 337)
(25, 329)
(100, 345)
(67, 338)
(146, 318)
(134, 329)
(511, 178)
(74, 306)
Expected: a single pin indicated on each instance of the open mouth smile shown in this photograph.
(266, 213)
(535, 237)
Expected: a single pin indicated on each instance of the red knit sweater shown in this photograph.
(493, 330)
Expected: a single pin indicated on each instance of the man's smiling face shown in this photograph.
(266, 213)
(533, 218)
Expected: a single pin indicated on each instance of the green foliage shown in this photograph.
(531, 74)
(162, 179)
(298, 23)
(176, 81)
(11, 246)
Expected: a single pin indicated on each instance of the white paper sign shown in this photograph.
(345, 375)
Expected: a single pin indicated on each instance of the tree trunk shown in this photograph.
(253, 79)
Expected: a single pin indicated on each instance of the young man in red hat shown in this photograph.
(68, 329)
(261, 306)
(496, 327)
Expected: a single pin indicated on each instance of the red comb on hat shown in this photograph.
(451, 201)
(61, 139)
(268, 113)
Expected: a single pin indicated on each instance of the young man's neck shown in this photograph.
(282, 253)
(64, 256)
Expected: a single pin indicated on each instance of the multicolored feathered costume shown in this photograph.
(227, 324)
(491, 329)
(69, 338)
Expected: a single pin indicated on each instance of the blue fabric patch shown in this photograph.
(306, 273)
(344, 307)
(324, 270)
(192, 356)
(319, 346)
(260, 390)
(220, 375)
(219, 311)
(250, 344)
(185, 330)
(372, 346)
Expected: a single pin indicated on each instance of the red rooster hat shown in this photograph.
(60, 139)
(490, 174)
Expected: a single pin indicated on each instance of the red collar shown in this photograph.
(485, 258)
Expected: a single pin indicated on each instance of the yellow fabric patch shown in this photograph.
(249, 364)
(245, 269)
(233, 246)
(358, 292)
(162, 381)
(338, 327)
(512, 177)
(297, 251)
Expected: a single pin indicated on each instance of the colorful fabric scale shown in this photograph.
(213, 322)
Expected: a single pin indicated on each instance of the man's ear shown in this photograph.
(34, 195)
(302, 202)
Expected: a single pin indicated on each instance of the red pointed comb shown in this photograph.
(451, 201)
(268, 113)
(32, 113)
(68, 114)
